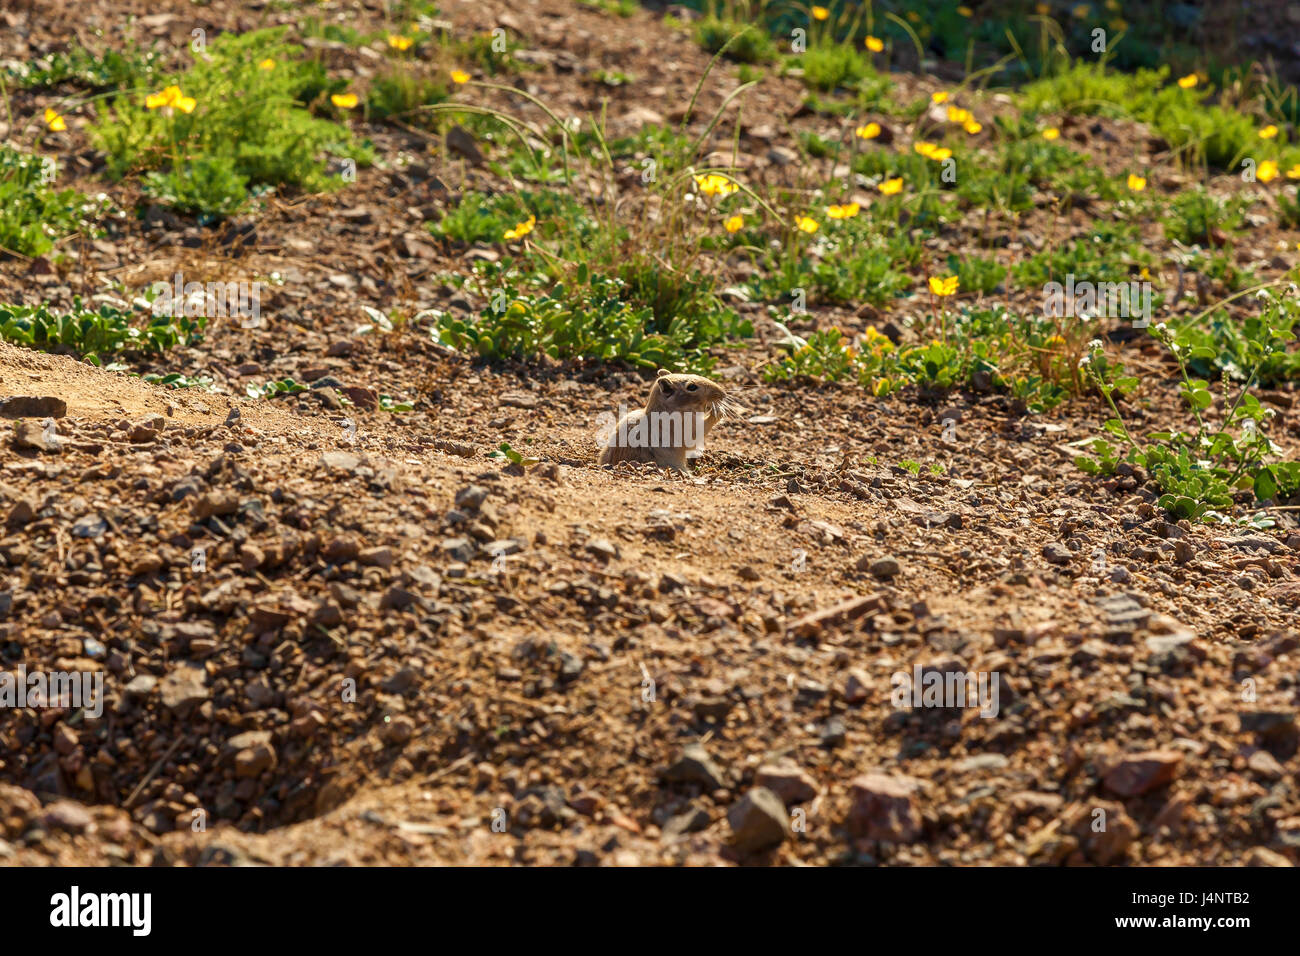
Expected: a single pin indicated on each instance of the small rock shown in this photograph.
(184, 687)
(376, 557)
(693, 820)
(214, 504)
(758, 821)
(603, 549)
(471, 497)
(89, 526)
(884, 568)
(1057, 553)
(855, 687)
(883, 807)
(1135, 774)
(788, 781)
(696, 766)
(1262, 856)
(33, 406)
(32, 434)
(67, 815)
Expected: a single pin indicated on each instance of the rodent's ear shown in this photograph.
(662, 372)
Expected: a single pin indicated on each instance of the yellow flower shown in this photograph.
(1081, 11)
(715, 184)
(166, 98)
(344, 101)
(459, 76)
(891, 187)
(846, 211)
(820, 13)
(522, 229)
(1042, 9)
(1051, 133)
(171, 96)
(54, 121)
(972, 126)
(932, 151)
(1136, 182)
(875, 44)
(400, 43)
(804, 224)
(940, 97)
(945, 286)
(870, 131)
(1268, 132)
(966, 11)
(958, 115)
(1267, 171)
(734, 224)
(1055, 340)
(1293, 172)
(1188, 81)
(267, 64)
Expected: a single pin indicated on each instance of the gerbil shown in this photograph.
(677, 418)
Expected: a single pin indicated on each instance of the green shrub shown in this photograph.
(32, 213)
(124, 69)
(593, 319)
(95, 334)
(752, 44)
(249, 128)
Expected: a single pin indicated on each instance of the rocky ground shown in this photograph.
(353, 637)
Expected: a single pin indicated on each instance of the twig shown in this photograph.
(152, 773)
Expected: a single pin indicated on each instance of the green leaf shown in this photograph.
(1265, 485)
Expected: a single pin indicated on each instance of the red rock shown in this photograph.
(1135, 774)
(883, 807)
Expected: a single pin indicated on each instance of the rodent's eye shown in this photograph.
(692, 387)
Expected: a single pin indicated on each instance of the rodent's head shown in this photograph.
(688, 393)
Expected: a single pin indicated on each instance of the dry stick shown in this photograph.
(152, 773)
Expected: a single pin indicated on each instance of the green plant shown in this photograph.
(592, 318)
(179, 380)
(235, 123)
(1199, 471)
(33, 214)
(284, 386)
(482, 218)
(1197, 218)
(92, 335)
(829, 66)
(123, 69)
(744, 43)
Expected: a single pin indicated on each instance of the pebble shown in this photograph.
(788, 781)
(758, 821)
(883, 807)
(1135, 774)
(696, 766)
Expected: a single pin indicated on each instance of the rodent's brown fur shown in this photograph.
(685, 394)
